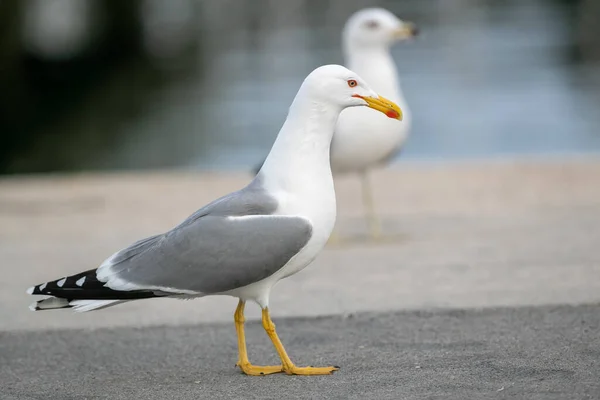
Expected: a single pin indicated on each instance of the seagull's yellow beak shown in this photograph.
(408, 30)
(383, 105)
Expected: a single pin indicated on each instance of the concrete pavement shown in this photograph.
(522, 353)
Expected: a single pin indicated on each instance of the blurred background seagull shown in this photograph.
(364, 139)
(243, 243)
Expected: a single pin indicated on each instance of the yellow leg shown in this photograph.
(243, 361)
(288, 366)
(369, 204)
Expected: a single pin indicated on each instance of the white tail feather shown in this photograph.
(78, 305)
(49, 303)
(90, 305)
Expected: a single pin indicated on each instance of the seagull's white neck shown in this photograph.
(299, 158)
(376, 66)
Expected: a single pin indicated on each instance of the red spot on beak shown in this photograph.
(392, 114)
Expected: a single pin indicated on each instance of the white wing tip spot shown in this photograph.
(30, 291)
(80, 281)
(61, 282)
(43, 286)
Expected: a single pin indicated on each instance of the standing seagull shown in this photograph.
(243, 243)
(364, 140)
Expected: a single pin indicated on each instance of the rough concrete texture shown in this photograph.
(524, 353)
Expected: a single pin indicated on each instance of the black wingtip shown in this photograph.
(36, 289)
(86, 286)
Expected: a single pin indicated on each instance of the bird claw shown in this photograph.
(311, 370)
(258, 370)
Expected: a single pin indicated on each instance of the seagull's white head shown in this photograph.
(376, 27)
(337, 85)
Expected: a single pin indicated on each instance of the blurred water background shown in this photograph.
(103, 84)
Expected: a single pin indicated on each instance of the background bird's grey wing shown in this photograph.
(209, 252)
(215, 254)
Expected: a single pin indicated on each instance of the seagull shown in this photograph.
(364, 139)
(242, 243)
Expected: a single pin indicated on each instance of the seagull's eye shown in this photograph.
(352, 83)
(372, 24)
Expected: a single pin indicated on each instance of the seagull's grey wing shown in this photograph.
(214, 254)
(231, 243)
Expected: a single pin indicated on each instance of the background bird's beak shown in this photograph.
(383, 105)
(408, 30)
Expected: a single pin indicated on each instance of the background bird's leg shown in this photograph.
(243, 361)
(373, 220)
(334, 237)
(288, 366)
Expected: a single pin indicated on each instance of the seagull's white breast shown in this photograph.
(317, 203)
(365, 138)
